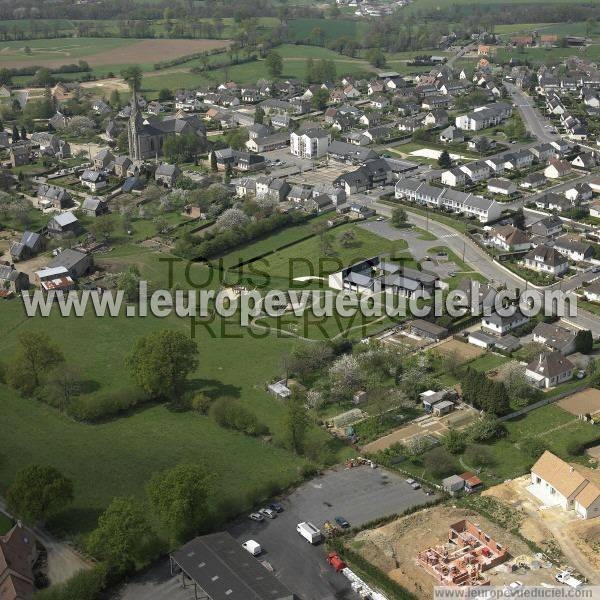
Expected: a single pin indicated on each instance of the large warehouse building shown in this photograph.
(218, 568)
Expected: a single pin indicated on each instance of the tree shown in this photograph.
(439, 463)
(165, 94)
(348, 238)
(181, 148)
(399, 217)
(345, 376)
(444, 160)
(274, 64)
(37, 492)
(295, 424)
(482, 144)
(35, 356)
(103, 227)
(122, 536)
(320, 99)
(160, 362)
(133, 77)
(179, 498)
(478, 456)
(115, 99)
(376, 57)
(213, 162)
(64, 384)
(129, 283)
(485, 429)
(584, 341)
(454, 441)
(232, 218)
(15, 134)
(259, 115)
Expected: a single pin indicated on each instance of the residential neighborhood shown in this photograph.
(300, 300)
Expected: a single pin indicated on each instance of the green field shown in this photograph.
(118, 457)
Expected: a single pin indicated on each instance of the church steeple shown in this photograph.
(133, 128)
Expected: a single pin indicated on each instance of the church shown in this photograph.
(147, 135)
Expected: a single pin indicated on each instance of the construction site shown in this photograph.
(463, 560)
(447, 545)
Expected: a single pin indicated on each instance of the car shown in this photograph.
(342, 522)
(256, 516)
(276, 507)
(253, 547)
(410, 481)
(267, 512)
(415, 486)
(380, 219)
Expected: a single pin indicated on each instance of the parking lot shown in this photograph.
(359, 495)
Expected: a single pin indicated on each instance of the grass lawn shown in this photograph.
(118, 457)
(489, 361)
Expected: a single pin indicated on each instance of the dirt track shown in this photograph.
(142, 51)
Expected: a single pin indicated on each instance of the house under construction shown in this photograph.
(463, 560)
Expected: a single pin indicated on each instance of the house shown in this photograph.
(93, 206)
(122, 165)
(547, 227)
(50, 145)
(503, 324)
(18, 553)
(100, 107)
(533, 180)
(53, 196)
(20, 153)
(311, 143)
(76, 263)
(552, 201)
(502, 186)
(573, 248)
(426, 329)
(543, 152)
(595, 209)
(592, 292)
(246, 186)
(510, 239)
(436, 118)
(349, 153)
(585, 160)
(12, 280)
(557, 483)
(555, 337)
(167, 175)
(476, 171)
(518, 160)
(94, 180)
(557, 168)
(63, 223)
(544, 259)
(580, 192)
(454, 177)
(268, 143)
(496, 165)
(549, 369)
(299, 194)
(273, 188)
(372, 174)
(30, 244)
(374, 275)
(484, 116)
(452, 135)
(103, 159)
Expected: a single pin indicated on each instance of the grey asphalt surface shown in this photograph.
(359, 495)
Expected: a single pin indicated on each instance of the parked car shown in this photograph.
(342, 522)
(267, 512)
(253, 547)
(256, 516)
(410, 481)
(276, 507)
(415, 485)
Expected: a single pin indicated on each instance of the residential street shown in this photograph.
(534, 122)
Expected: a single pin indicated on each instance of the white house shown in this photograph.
(502, 186)
(484, 116)
(549, 369)
(546, 260)
(557, 483)
(592, 292)
(557, 168)
(454, 177)
(477, 170)
(311, 143)
(94, 180)
(595, 210)
(573, 248)
(501, 325)
(510, 239)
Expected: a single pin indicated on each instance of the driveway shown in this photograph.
(417, 246)
(360, 495)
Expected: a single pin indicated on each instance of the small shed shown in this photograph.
(443, 407)
(453, 484)
(360, 397)
(280, 389)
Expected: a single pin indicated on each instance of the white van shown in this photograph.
(309, 532)
(252, 547)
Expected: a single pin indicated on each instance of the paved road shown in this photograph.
(534, 122)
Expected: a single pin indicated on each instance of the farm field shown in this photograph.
(100, 51)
